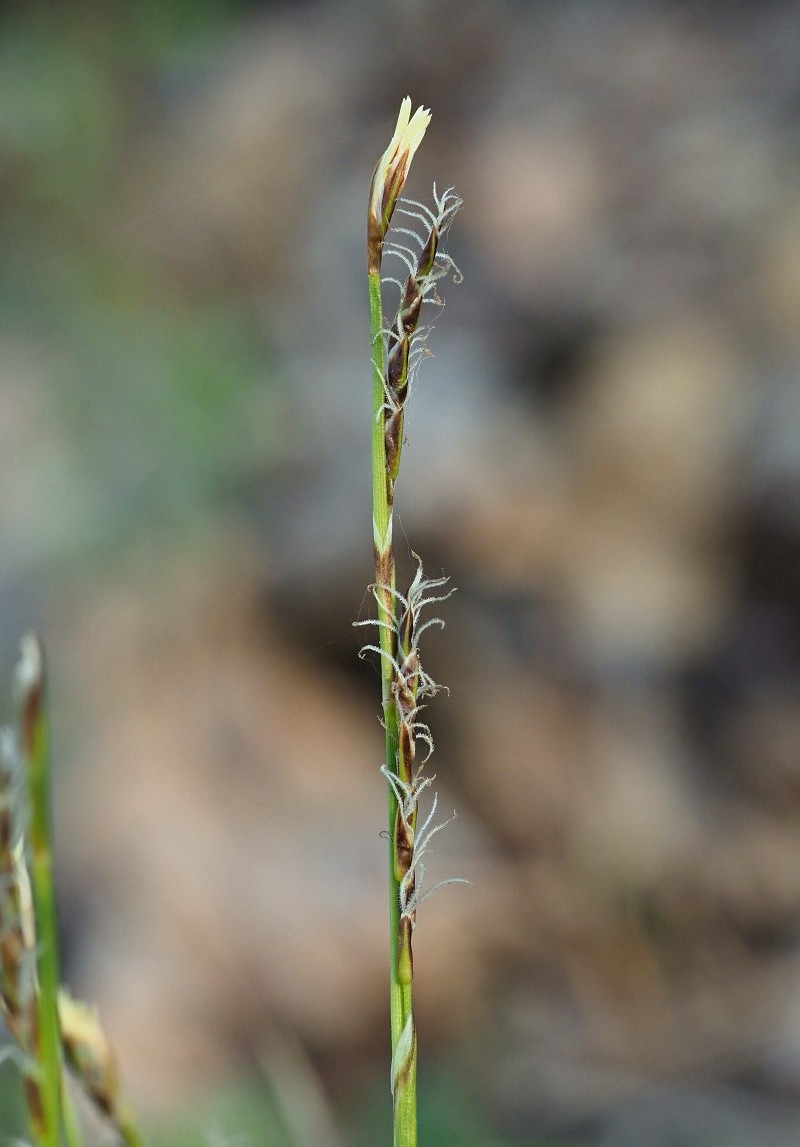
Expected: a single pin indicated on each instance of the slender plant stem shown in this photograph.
(36, 746)
(404, 1083)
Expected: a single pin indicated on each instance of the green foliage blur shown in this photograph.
(151, 395)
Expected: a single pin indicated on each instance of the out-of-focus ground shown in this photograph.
(604, 455)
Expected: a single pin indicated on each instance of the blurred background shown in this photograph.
(604, 456)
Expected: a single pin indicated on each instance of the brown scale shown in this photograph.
(406, 752)
(404, 938)
(31, 715)
(393, 439)
(404, 838)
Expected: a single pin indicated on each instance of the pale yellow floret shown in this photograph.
(392, 169)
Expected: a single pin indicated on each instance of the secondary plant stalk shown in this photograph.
(35, 743)
(49, 1027)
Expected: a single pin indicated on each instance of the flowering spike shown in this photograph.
(398, 348)
(389, 177)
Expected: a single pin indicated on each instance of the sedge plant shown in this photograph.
(51, 1031)
(397, 349)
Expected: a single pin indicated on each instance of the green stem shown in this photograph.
(381, 493)
(404, 1082)
(36, 740)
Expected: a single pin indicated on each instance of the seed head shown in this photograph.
(88, 1052)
